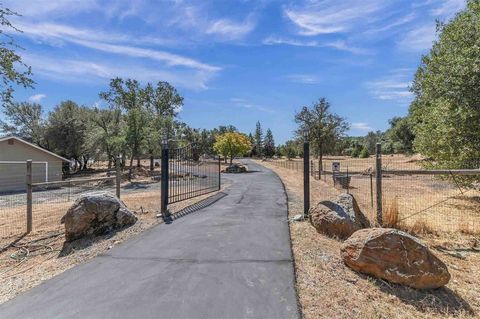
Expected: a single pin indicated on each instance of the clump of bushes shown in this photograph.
(364, 153)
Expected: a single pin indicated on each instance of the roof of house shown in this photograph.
(34, 146)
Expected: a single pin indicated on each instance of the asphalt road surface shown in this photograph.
(229, 260)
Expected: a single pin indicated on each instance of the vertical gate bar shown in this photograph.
(165, 182)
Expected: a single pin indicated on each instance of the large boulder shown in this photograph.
(96, 214)
(395, 256)
(338, 219)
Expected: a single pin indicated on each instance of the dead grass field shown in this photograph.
(422, 200)
(329, 289)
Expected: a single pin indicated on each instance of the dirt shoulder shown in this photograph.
(329, 289)
(43, 255)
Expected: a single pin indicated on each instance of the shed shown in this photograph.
(14, 153)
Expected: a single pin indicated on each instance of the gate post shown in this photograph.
(29, 196)
(164, 183)
(378, 177)
(306, 174)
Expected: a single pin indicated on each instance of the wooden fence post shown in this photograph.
(118, 177)
(29, 196)
(378, 177)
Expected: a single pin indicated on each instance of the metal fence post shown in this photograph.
(306, 175)
(118, 177)
(219, 172)
(164, 184)
(29, 196)
(378, 177)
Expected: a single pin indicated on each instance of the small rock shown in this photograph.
(297, 218)
(394, 256)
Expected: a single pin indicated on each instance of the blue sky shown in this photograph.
(235, 62)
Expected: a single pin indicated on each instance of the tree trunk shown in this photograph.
(152, 166)
(231, 160)
(131, 167)
(138, 162)
(109, 163)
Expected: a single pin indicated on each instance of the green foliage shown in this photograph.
(25, 121)
(356, 151)
(269, 144)
(446, 110)
(13, 70)
(258, 140)
(364, 153)
(232, 144)
(325, 128)
(371, 140)
(66, 131)
(400, 136)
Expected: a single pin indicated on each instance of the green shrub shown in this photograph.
(364, 153)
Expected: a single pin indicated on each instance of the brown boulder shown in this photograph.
(395, 256)
(338, 219)
(96, 214)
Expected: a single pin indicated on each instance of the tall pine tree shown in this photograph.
(258, 149)
(269, 144)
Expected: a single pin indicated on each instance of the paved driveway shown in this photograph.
(229, 260)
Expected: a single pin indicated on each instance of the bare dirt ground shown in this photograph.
(27, 261)
(329, 289)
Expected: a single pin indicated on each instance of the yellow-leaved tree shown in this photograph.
(232, 144)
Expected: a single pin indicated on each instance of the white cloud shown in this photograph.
(396, 23)
(45, 8)
(303, 78)
(344, 46)
(271, 40)
(98, 41)
(340, 45)
(448, 8)
(361, 126)
(88, 71)
(394, 87)
(37, 98)
(242, 103)
(230, 29)
(332, 16)
(418, 39)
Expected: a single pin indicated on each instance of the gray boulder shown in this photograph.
(338, 219)
(96, 214)
(236, 168)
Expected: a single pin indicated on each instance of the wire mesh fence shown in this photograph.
(413, 195)
(51, 200)
(424, 199)
(52, 196)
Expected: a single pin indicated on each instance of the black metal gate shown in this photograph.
(186, 173)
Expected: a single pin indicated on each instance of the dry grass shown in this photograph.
(391, 214)
(329, 289)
